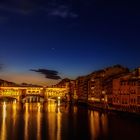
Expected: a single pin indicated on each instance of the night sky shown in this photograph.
(73, 37)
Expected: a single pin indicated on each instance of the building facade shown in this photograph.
(82, 86)
(101, 83)
(126, 91)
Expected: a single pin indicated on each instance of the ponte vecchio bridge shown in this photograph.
(32, 94)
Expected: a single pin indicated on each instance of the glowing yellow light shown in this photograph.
(58, 101)
(4, 105)
(38, 123)
(26, 119)
(3, 125)
(15, 101)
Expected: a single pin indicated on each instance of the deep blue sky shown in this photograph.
(72, 37)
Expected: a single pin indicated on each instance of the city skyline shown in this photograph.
(54, 75)
(73, 38)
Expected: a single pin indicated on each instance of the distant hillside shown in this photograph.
(29, 85)
(7, 83)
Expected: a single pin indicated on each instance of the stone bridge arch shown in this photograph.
(8, 98)
(32, 98)
(10, 93)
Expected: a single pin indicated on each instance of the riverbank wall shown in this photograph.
(109, 108)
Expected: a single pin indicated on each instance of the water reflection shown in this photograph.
(58, 124)
(39, 116)
(104, 123)
(51, 106)
(3, 131)
(32, 120)
(26, 119)
(98, 124)
(14, 113)
(53, 121)
(13, 119)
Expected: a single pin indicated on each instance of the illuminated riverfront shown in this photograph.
(90, 107)
(49, 121)
(32, 94)
(69, 70)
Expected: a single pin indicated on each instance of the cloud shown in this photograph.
(51, 9)
(55, 77)
(50, 74)
(61, 11)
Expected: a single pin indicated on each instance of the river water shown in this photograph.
(52, 121)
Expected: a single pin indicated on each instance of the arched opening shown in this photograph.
(32, 99)
(7, 99)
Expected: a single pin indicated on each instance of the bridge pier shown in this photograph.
(37, 94)
(32, 99)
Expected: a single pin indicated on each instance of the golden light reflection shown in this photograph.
(75, 109)
(59, 102)
(54, 121)
(14, 108)
(51, 106)
(15, 101)
(14, 112)
(26, 119)
(104, 122)
(39, 122)
(58, 124)
(3, 135)
(94, 124)
(98, 124)
(4, 108)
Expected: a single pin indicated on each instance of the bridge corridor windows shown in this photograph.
(9, 92)
(36, 92)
